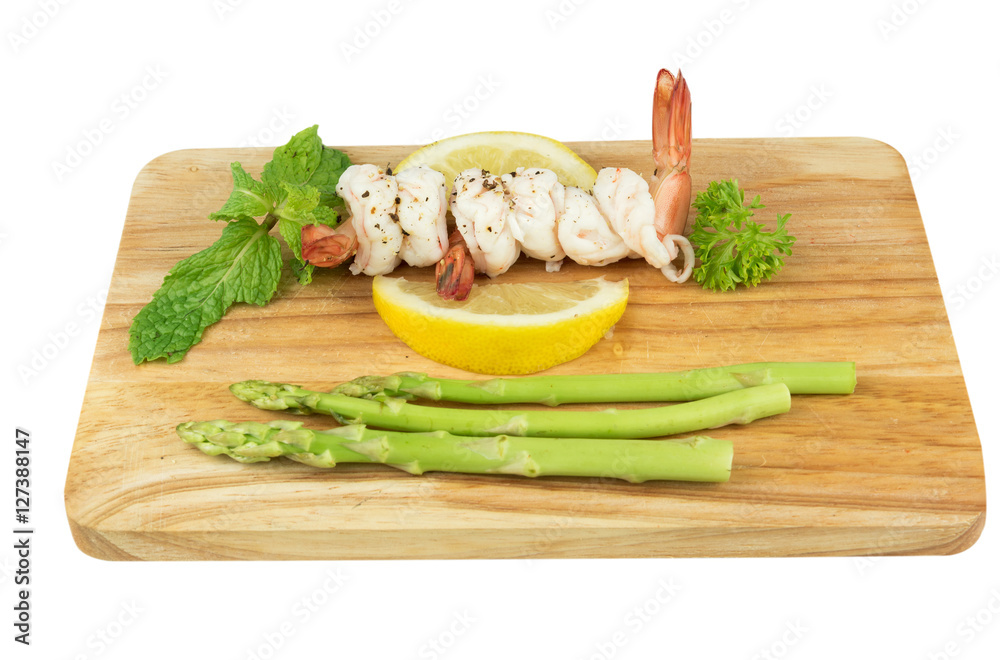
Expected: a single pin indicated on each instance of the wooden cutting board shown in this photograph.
(895, 468)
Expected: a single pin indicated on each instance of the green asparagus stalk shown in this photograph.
(800, 377)
(736, 407)
(692, 459)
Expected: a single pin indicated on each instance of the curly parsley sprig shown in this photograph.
(734, 249)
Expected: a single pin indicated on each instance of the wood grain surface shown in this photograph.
(895, 468)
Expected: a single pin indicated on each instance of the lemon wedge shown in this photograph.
(502, 329)
(499, 152)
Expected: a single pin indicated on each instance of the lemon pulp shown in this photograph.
(499, 152)
(501, 329)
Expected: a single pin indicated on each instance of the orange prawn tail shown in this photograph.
(326, 247)
(671, 152)
(454, 272)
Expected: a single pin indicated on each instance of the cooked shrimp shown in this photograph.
(585, 234)
(537, 201)
(624, 199)
(482, 214)
(371, 197)
(528, 210)
(422, 205)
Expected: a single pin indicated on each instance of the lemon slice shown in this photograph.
(499, 152)
(502, 329)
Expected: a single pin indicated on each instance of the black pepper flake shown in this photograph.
(397, 200)
(365, 193)
(388, 170)
(394, 216)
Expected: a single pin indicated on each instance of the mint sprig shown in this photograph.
(244, 265)
(297, 187)
(248, 199)
(304, 161)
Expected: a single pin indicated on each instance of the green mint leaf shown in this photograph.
(303, 272)
(291, 231)
(302, 207)
(248, 199)
(305, 161)
(244, 265)
(324, 215)
(332, 164)
(294, 163)
(299, 203)
(295, 211)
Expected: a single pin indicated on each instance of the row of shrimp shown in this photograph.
(402, 217)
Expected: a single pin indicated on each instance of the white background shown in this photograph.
(204, 73)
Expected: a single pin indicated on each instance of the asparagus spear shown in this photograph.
(800, 377)
(736, 407)
(693, 459)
